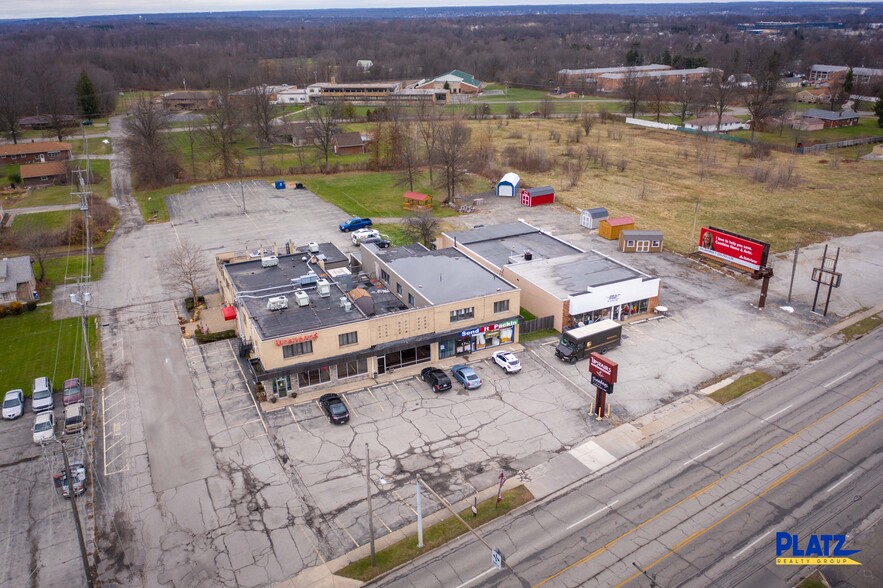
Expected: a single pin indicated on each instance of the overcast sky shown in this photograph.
(63, 8)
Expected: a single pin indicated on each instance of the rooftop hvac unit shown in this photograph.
(343, 301)
(313, 247)
(324, 288)
(269, 261)
(308, 279)
(302, 298)
(348, 306)
(277, 303)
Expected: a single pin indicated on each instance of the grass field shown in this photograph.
(40, 346)
(66, 269)
(375, 194)
(97, 146)
(741, 386)
(664, 174)
(866, 127)
(152, 202)
(62, 194)
(53, 220)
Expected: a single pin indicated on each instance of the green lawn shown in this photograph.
(42, 347)
(71, 267)
(373, 194)
(153, 204)
(97, 146)
(743, 385)
(56, 219)
(866, 127)
(862, 327)
(512, 94)
(396, 233)
(55, 195)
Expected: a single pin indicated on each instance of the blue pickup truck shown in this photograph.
(355, 223)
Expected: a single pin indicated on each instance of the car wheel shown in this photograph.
(346, 230)
(603, 350)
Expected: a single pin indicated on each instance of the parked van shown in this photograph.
(41, 395)
(75, 418)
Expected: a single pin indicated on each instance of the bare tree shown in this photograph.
(428, 118)
(587, 121)
(720, 93)
(56, 98)
(261, 113)
(547, 107)
(657, 92)
(422, 227)
(453, 154)
(153, 157)
(221, 130)
(37, 241)
(187, 268)
(408, 158)
(323, 127)
(685, 97)
(633, 90)
(12, 105)
(764, 67)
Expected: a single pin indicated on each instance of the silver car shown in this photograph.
(41, 395)
(13, 404)
(44, 427)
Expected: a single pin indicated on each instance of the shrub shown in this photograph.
(32, 305)
(209, 337)
(188, 302)
(4, 310)
(16, 308)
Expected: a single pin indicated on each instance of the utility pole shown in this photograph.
(81, 298)
(370, 507)
(793, 271)
(693, 232)
(241, 189)
(73, 497)
(419, 515)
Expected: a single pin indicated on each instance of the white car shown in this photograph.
(44, 427)
(360, 234)
(507, 361)
(13, 404)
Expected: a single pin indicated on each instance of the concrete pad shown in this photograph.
(592, 455)
(554, 475)
(177, 441)
(621, 440)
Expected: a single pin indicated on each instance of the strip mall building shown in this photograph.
(309, 323)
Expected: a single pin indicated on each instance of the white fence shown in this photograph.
(649, 123)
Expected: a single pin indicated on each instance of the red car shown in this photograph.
(72, 392)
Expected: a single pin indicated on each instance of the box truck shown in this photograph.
(578, 343)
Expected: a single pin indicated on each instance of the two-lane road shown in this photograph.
(703, 508)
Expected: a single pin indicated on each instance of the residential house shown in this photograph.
(830, 120)
(17, 282)
(455, 82)
(51, 173)
(37, 152)
(297, 133)
(42, 122)
(709, 124)
(814, 96)
(791, 82)
(348, 143)
(179, 101)
(364, 64)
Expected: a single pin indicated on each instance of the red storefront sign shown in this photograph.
(297, 339)
(603, 368)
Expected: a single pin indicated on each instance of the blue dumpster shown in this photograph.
(280, 184)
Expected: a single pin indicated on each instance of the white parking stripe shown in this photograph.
(294, 418)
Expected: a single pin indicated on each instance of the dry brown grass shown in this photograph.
(805, 197)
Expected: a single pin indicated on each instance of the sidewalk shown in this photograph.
(581, 461)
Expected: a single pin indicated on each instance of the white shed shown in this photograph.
(592, 217)
(509, 185)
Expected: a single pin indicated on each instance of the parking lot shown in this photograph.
(227, 495)
(39, 539)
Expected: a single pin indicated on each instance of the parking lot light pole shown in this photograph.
(241, 189)
(73, 497)
(370, 508)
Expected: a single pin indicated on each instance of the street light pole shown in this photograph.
(73, 497)
(241, 189)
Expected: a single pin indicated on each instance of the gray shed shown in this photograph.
(632, 241)
(592, 217)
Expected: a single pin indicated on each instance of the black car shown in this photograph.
(334, 407)
(436, 378)
(379, 241)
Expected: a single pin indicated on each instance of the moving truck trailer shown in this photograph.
(578, 343)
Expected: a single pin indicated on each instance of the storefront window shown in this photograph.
(409, 356)
(353, 367)
(447, 348)
(281, 386)
(313, 377)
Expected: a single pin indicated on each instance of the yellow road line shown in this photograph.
(705, 489)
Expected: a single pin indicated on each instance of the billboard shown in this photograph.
(603, 368)
(734, 248)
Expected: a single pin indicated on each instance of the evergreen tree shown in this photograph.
(878, 110)
(87, 101)
(849, 81)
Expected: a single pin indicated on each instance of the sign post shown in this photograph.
(500, 491)
(496, 558)
(604, 373)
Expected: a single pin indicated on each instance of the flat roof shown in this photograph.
(444, 275)
(500, 244)
(572, 274)
(257, 283)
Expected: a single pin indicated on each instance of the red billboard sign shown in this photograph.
(733, 248)
(603, 368)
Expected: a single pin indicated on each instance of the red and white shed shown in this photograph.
(537, 196)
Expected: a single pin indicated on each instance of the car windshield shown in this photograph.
(72, 391)
(11, 402)
(40, 394)
(73, 420)
(42, 426)
(567, 342)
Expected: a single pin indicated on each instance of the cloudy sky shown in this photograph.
(63, 8)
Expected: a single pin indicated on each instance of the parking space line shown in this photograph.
(405, 502)
(245, 381)
(572, 383)
(372, 394)
(382, 522)
(297, 424)
(350, 406)
(122, 412)
(345, 530)
(396, 386)
(114, 404)
(115, 443)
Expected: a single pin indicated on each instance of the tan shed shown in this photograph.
(640, 241)
(612, 227)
